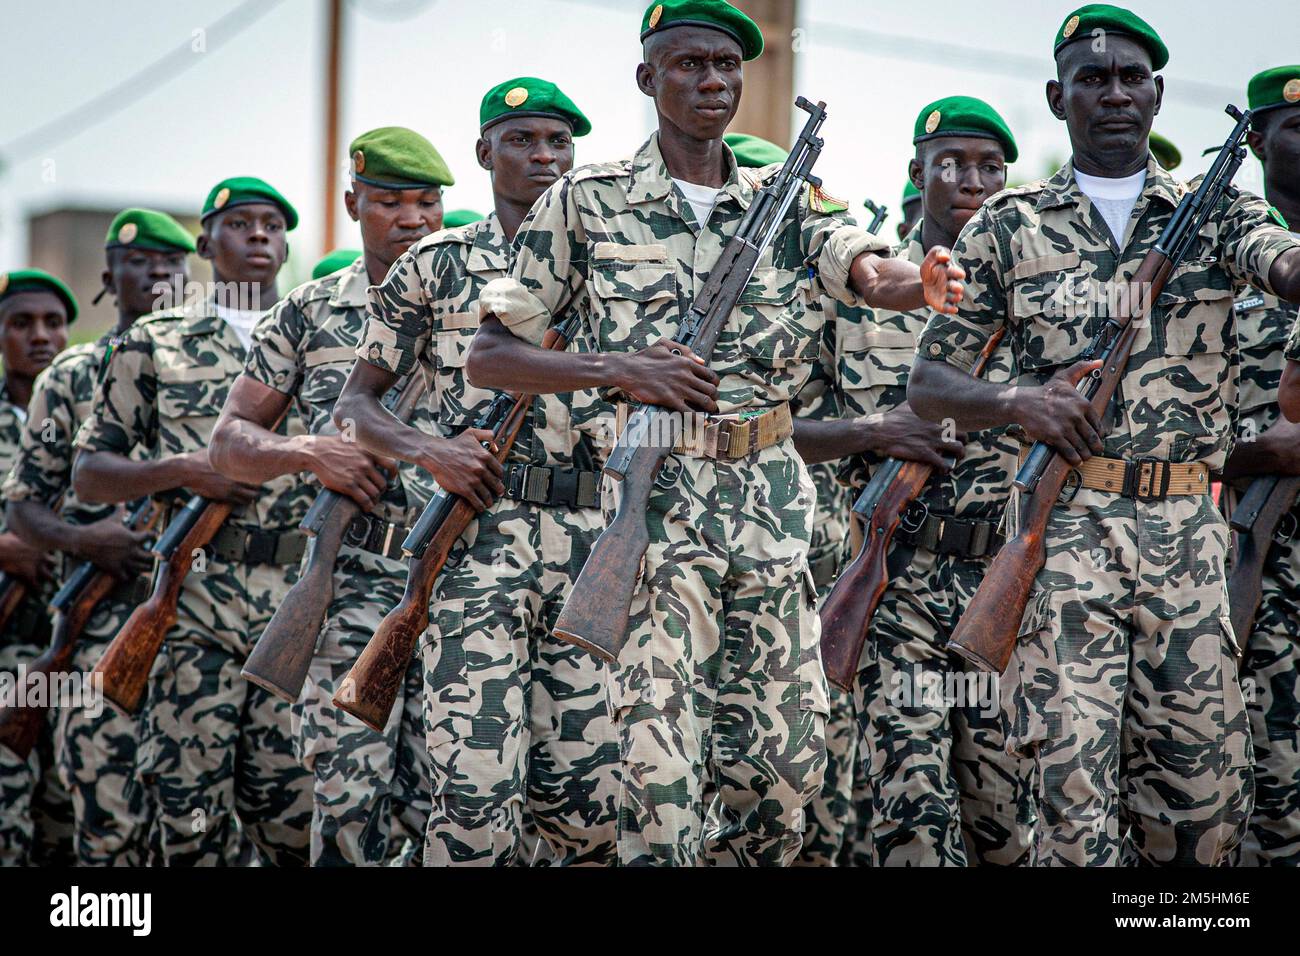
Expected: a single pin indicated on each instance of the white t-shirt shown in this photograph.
(242, 321)
(1114, 198)
(701, 198)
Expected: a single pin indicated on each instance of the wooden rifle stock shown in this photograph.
(1255, 520)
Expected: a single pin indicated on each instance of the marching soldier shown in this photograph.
(911, 206)
(1123, 686)
(96, 745)
(213, 747)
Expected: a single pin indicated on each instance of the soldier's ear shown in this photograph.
(1160, 93)
(645, 79)
(106, 277)
(483, 153)
(350, 204)
(203, 245)
(1255, 140)
(916, 172)
(1056, 98)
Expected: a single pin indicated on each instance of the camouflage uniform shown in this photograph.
(512, 714)
(304, 348)
(96, 746)
(722, 672)
(1123, 686)
(212, 745)
(1270, 665)
(943, 790)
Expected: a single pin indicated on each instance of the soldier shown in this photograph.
(1166, 153)
(1123, 686)
(301, 353)
(212, 746)
(96, 745)
(36, 309)
(911, 210)
(515, 719)
(721, 676)
(332, 262)
(1270, 445)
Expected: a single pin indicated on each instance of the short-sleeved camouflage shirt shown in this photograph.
(306, 346)
(1263, 324)
(1040, 259)
(12, 420)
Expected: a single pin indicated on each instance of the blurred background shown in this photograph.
(141, 103)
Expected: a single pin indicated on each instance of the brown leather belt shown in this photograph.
(728, 437)
(1143, 479)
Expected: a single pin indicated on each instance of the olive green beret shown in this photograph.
(910, 193)
(393, 157)
(715, 14)
(1102, 16)
(334, 261)
(529, 96)
(460, 217)
(37, 280)
(1274, 88)
(147, 229)
(244, 191)
(964, 116)
(1167, 154)
(754, 151)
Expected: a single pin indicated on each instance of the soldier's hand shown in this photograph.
(899, 433)
(942, 280)
(1057, 414)
(670, 375)
(464, 467)
(205, 480)
(343, 466)
(113, 547)
(24, 560)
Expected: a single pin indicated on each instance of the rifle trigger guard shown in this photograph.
(913, 519)
(1073, 482)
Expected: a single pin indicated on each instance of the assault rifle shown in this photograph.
(1255, 519)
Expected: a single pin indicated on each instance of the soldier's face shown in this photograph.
(694, 75)
(246, 244)
(392, 220)
(957, 174)
(526, 155)
(1278, 147)
(33, 329)
(135, 275)
(1108, 97)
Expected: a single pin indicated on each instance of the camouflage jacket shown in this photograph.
(12, 420)
(306, 346)
(163, 389)
(425, 310)
(1040, 259)
(1263, 324)
(619, 243)
(875, 351)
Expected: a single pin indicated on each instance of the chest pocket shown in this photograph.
(874, 365)
(457, 401)
(322, 381)
(1050, 299)
(1195, 312)
(635, 293)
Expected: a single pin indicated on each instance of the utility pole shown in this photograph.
(768, 98)
(333, 55)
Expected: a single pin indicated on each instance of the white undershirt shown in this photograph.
(1114, 198)
(242, 321)
(701, 198)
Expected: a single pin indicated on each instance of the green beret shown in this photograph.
(910, 193)
(964, 116)
(393, 157)
(244, 191)
(147, 229)
(1166, 153)
(37, 280)
(460, 217)
(334, 261)
(714, 14)
(753, 152)
(1274, 88)
(1102, 16)
(529, 96)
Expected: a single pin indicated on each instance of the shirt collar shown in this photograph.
(1063, 189)
(650, 180)
(490, 252)
(350, 290)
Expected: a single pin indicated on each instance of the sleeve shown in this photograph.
(399, 317)
(125, 413)
(550, 267)
(42, 470)
(275, 354)
(831, 240)
(818, 398)
(1292, 349)
(957, 339)
(1252, 240)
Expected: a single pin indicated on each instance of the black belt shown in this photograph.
(547, 485)
(30, 624)
(255, 546)
(944, 534)
(375, 535)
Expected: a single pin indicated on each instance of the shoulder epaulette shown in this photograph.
(614, 170)
(821, 201)
(1012, 192)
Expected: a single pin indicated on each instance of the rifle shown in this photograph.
(1255, 520)
(595, 616)
(13, 591)
(279, 660)
(73, 606)
(847, 611)
(370, 688)
(986, 634)
(878, 214)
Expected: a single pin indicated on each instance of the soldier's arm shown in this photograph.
(1275, 451)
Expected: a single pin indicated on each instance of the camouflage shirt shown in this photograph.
(306, 346)
(1263, 324)
(875, 354)
(1040, 259)
(425, 310)
(163, 389)
(12, 420)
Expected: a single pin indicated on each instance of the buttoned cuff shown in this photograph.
(942, 350)
(844, 245)
(523, 313)
(384, 348)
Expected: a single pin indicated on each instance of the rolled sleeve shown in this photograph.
(957, 339)
(1253, 240)
(398, 318)
(43, 467)
(274, 358)
(125, 412)
(841, 247)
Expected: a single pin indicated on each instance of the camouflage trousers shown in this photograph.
(721, 678)
(214, 745)
(943, 789)
(1123, 687)
(516, 719)
(370, 793)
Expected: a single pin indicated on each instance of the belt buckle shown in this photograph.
(1146, 479)
(913, 517)
(564, 487)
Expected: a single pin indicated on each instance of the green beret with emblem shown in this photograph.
(394, 157)
(529, 96)
(964, 116)
(1167, 154)
(460, 217)
(753, 152)
(37, 280)
(1081, 24)
(245, 191)
(147, 229)
(714, 14)
(1274, 88)
(910, 193)
(334, 261)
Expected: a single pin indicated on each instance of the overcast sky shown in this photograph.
(252, 106)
